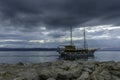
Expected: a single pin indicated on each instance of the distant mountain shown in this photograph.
(110, 49)
(28, 49)
(49, 49)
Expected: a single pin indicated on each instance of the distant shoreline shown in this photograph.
(43, 49)
(108, 50)
(28, 49)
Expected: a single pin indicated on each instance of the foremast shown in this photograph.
(85, 43)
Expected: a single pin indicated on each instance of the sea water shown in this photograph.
(50, 56)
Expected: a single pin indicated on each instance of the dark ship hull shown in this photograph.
(76, 54)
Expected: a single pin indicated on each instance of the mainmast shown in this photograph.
(85, 43)
(71, 41)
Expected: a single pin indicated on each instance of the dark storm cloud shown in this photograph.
(57, 35)
(59, 13)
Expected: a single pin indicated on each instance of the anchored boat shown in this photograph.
(70, 52)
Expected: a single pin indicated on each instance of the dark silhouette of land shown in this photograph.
(49, 49)
(28, 49)
(110, 49)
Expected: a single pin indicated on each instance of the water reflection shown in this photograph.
(50, 56)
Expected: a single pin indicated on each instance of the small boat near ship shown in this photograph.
(71, 52)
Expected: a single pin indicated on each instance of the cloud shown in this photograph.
(55, 14)
(46, 22)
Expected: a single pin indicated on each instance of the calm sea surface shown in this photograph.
(50, 56)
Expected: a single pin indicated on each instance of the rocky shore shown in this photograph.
(61, 70)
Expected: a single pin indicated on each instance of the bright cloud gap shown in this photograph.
(43, 36)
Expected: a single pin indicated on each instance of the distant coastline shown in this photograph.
(28, 49)
(110, 49)
(48, 49)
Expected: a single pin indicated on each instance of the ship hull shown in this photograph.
(76, 54)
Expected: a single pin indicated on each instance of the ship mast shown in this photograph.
(85, 43)
(71, 40)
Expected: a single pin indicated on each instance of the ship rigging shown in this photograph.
(71, 52)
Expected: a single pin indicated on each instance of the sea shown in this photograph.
(51, 56)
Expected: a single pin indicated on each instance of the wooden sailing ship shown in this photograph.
(70, 51)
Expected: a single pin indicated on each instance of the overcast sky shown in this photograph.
(46, 23)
